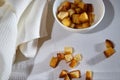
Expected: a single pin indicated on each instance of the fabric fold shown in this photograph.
(32, 25)
(21, 24)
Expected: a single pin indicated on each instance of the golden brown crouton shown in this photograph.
(85, 25)
(68, 50)
(77, 1)
(68, 57)
(91, 17)
(78, 10)
(71, 12)
(66, 21)
(75, 74)
(63, 73)
(73, 63)
(67, 77)
(82, 25)
(73, 6)
(64, 6)
(75, 18)
(81, 5)
(89, 8)
(72, 25)
(54, 62)
(60, 56)
(89, 75)
(109, 52)
(62, 14)
(109, 43)
(83, 17)
(78, 26)
(78, 57)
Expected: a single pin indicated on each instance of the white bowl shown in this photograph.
(99, 11)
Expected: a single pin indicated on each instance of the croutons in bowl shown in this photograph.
(78, 15)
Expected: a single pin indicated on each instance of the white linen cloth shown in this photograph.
(21, 24)
(21, 70)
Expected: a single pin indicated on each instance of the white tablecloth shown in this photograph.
(87, 44)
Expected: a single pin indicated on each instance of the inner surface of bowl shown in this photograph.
(99, 10)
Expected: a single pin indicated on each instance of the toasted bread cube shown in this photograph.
(68, 57)
(109, 43)
(81, 5)
(60, 56)
(63, 73)
(89, 8)
(67, 77)
(85, 25)
(109, 52)
(83, 17)
(78, 10)
(73, 63)
(66, 21)
(78, 26)
(78, 57)
(68, 50)
(64, 6)
(54, 62)
(77, 1)
(89, 75)
(71, 12)
(82, 25)
(75, 18)
(63, 14)
(91, 18)
(75, 74)
(72, 25)
(73, 6)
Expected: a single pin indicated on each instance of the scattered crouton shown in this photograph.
(109, 48)
(68, 57)
(109, 52)
(109, 43)
(73, 63)
(54, 62)
(70, 75)
(75, 74)
(78, 57)
(89, 75)
(68, 50)
(63, 73)
(61, 56)
(67, 77)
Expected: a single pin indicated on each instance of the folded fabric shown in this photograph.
(21, 24)
(21, 70)
(29, 27)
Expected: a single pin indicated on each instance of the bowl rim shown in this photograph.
(79, 30)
